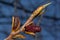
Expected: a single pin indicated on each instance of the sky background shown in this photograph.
(50, 22)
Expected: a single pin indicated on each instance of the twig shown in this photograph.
(34, 14)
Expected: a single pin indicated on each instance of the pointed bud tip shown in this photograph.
(47, 4)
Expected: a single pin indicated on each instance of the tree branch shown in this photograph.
(34, 14)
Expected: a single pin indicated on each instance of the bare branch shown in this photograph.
(34, 14)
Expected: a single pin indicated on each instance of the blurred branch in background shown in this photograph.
(18, 7)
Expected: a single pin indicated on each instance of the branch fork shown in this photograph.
(37, 12)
